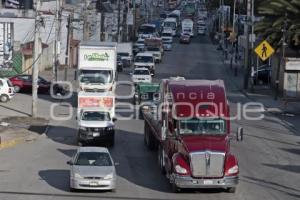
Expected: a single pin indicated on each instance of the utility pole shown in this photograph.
(36, 56)
(119, 19)
(99, 8)
(69, 39)
(134, 19)
(86, 25)
(57, 39)
(283, 47)
(247, 63)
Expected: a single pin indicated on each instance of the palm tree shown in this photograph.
(277, 14)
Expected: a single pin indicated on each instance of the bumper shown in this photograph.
(189, 182)
(84, 184)
(84, 136)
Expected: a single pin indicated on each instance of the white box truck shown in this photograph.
(97, 66)
(187, 26)
(96, 117)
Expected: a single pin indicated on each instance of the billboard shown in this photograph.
(6, 45)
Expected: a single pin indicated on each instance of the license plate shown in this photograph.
(93, 183)
(96, 134)
(207, 182)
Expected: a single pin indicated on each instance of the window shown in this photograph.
(1, 83)
(202, 126)
(93, 159)
(95, 116)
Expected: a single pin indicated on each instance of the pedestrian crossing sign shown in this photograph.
(264, 50)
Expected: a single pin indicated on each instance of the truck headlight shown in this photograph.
(83, 128)
(233, 170)
(108, 176)
(111, 128)
(180, 170)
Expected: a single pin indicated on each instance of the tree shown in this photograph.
(274, 15)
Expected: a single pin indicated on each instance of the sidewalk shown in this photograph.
(264, 95)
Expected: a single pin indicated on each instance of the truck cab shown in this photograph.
(192, 134)
(146, 60)
(96, 125)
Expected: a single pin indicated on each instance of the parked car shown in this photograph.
(262, 75)
(92, 168)
(23, 83)
(185, 38)
(141, 75)
(6, 90)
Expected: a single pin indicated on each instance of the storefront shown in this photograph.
(292, 78)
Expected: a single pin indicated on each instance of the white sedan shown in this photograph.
(141, 75)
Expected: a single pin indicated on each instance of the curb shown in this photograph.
(20, 140)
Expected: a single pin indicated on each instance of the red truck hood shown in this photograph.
(203, 143)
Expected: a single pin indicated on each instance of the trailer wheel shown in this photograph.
(161, 160)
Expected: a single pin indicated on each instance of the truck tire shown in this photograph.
(4, 98)
(175, 188)
(161, 160)
(148, 138)
(111, 141)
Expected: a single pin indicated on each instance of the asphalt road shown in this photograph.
(268, 157)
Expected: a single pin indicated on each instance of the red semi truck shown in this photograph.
(191, 131)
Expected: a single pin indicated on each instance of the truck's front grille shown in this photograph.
(94, 90)
(207, 164)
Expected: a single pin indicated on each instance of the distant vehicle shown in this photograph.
(170, 23)
(146, 60)
(167, 44)
(147, 30)
(185, 38)
(141, 75)
(156, 51)
(92, 168)
(187, 26)
(23, 83)
(175, 14)
(6, 90)
(125, 51)
(139, 45)
(167, 33)
(262, 76)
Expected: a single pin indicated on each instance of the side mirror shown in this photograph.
(116, 164)
(240, 134)
(70, 162)
(114, 119)
(152, 74)
(130, 73)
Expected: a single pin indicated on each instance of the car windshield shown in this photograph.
(141, 72)
(95, 116)
(93, 159)
(153, 49)
(166, 34)
(9, 83)
(200, 126)
(144, 59)
(140, 42)
(96, 76)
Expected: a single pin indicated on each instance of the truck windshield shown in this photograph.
(141, 72)
(170, 24)
(95, 116)
(166, 34)
(123, 54)
(144, 59)
(200, 126)
(96, 76)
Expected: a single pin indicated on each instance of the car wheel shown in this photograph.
(17, 89)
(73, 190)
(161, 160)
(4, 98)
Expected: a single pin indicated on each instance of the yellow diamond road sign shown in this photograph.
(264, 50)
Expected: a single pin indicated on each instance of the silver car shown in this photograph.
(92, 168)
